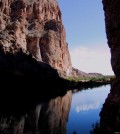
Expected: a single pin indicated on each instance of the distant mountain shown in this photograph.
(95, 74)
(78, 73)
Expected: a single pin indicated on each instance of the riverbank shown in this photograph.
(86, 82)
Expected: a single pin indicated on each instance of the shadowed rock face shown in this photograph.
(110, 114)
(112, 20)
(36, 26)
(46, 118)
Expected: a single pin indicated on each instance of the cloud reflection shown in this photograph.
(86, 107)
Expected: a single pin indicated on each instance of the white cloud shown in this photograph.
(87, 107)
(92, 59)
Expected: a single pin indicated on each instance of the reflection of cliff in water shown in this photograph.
(46, 118)
(110, 114)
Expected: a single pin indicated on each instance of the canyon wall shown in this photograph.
(35, 26)
(110, 114)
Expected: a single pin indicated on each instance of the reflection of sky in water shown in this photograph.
(85, 109)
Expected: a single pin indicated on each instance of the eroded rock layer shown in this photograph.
(36, 26)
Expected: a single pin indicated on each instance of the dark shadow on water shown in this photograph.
(24, 111)
(24, 116)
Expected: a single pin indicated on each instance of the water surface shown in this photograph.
(71, 113)
(85, 108)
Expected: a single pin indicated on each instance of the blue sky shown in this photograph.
(85, 33)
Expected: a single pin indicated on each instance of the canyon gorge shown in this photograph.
(33, 42)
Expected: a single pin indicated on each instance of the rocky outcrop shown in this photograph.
(77, 73)
(110, 114)
(96, 74)
(48, 117)
(35, 26)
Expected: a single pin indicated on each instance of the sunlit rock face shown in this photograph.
(48, 117)
(110, 115)
(35, 26)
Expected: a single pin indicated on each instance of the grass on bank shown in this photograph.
(92, 79)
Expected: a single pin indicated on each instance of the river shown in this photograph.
(85, 108)
(72, 113)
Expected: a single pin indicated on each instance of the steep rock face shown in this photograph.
(36, 26)
(110, 114)
(112, 19)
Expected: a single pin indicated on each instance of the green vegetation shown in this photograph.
(87, 82)
(92, 79)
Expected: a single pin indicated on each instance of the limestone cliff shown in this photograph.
(35, 26)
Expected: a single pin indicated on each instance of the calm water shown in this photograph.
(72, 113)
(85, 108)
